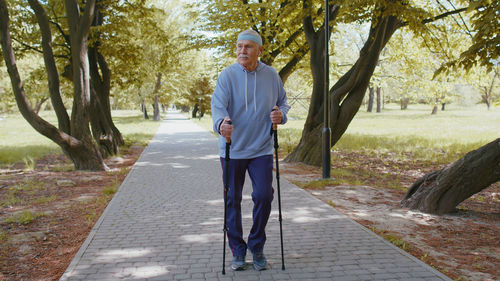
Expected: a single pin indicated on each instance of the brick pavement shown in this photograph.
(165, 223)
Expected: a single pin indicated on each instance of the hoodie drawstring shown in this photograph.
(246, 90)
(254, 92)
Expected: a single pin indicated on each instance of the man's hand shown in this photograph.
(276, 115)
(226, 128)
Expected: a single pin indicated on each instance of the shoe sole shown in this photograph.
(259, 268)
(238, 267)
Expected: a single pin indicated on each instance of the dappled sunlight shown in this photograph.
(208, 157)
(214, 202)
(311, 214)
(213, 221)
(200, 238)
(149, 271)
(127, 253)
(178, 165)
(418, 217)
(204, 157)
(146, 163)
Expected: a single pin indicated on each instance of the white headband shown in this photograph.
(251, 37)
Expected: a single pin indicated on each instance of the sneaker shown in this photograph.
(238, 263)
(259, 261)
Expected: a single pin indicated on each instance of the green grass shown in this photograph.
(413, 133)
(24, 217)
(14, 194)
(21, 143)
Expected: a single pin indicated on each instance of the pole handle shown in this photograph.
(275, 126)
(228, 121)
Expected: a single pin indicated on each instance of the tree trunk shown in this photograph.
(105, 133)
(39, 104)
(443, 105)
(79, 26)
(488, 91)
(439, 192)
(195, 110)
(309, 147)
(379, 100)
(434, 110)
(404, 103)
(346, 95)
(156, 106)
(50, 66)
(145, 111)
(370, 100)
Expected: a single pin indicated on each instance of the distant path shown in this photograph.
(165, 223)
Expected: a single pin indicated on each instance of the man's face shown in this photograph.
(247, 52)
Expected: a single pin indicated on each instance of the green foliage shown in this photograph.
(318, 184)
(3, 236)
(90, 217)
(14, 193)
(486, 40)
(278, 22)
(397, 241)
(44, 199)
(29, 163)
(24, 217)
(200, 94)
(110, 190)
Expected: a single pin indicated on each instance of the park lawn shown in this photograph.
(413, 133)
(21, 143)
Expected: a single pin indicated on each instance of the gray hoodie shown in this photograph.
(248, 99)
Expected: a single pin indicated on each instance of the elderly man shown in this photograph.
(250, 94)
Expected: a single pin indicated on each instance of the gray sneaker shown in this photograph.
(238, 263)
(259, 261)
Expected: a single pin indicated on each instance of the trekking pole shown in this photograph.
(275, 133)
(226, 187)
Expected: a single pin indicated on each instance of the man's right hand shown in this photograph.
(226, 128)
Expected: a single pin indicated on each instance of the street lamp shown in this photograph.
(326, 104)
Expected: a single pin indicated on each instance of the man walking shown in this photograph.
(250, 94)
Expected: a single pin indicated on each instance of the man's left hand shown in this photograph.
(276, 115)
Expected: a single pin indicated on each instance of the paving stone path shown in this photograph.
(165, 223)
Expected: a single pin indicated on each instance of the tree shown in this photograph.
(278, 22)
(439, 192)
(348, 92)
(199, 98)
(485, 83)
(73, 135)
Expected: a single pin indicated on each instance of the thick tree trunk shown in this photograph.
(79, 25)
(309, 148)
(105, 133)
(439, 192)
(346, 95)
(370, 100)
(50, 66)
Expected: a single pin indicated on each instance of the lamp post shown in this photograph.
(326, 104)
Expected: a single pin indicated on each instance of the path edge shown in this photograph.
(76, 259)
